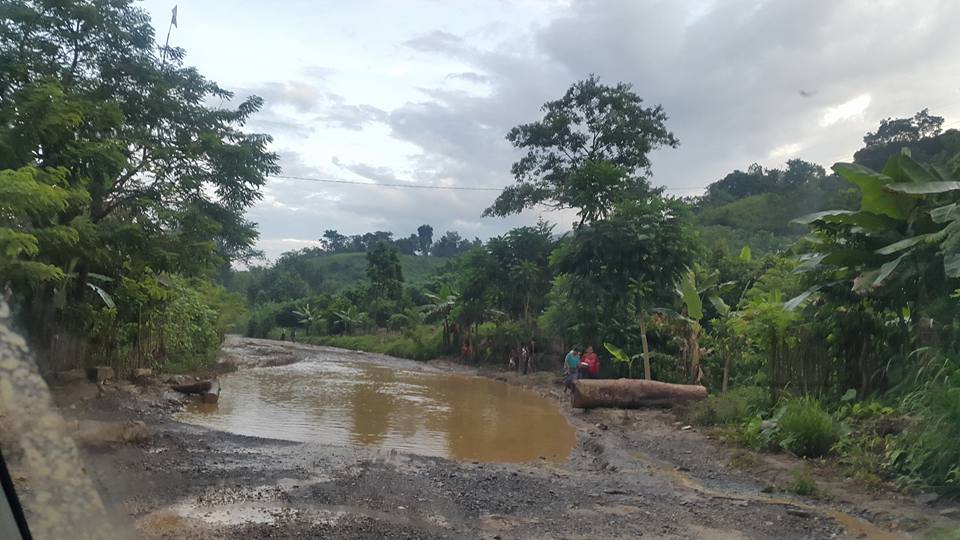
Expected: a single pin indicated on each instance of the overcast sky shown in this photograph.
(424, 91)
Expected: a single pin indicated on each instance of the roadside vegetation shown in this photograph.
(819, 307)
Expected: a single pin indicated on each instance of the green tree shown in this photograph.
(425, 238)
(156, 179)
(647, 241)
(901, 131)
(589, 151)
(452, 244)
(384, 272)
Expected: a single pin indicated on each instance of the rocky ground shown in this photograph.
(632, 474)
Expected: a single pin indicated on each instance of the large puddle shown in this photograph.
(338, 400)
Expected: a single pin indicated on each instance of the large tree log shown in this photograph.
(632, 393)
(193, 388)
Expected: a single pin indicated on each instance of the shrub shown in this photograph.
(805, 429)
(804, 485)
(930, 454)
(726, 409)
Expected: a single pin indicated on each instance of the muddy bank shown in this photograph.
(631, 474)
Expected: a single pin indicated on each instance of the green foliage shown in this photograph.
(190, 328)
(302, 273)
(805, 428)
(384, 272)
(116, 173)
(727, 409)
(420, 344)
(620, 357)
(589, 151)
(929, 453)
(803, 484)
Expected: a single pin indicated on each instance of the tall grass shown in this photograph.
(806, 429)
(930, 454)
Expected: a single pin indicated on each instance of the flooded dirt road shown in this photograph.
(360, 469)
(338, 398)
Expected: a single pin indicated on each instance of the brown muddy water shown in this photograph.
(335, 398)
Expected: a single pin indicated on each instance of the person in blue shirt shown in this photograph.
(571, 364)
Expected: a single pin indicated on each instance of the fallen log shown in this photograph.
(631, 393)
(193, 388)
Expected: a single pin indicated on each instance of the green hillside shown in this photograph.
(343, 270)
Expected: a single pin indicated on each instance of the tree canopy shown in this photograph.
(118, 167)
(589, 151)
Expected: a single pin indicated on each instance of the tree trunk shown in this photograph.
(726, 373)
(646, 348)
(693, 343)
(630, 394)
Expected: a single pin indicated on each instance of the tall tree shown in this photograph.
(589, 151)
(159, 180)
(334, 242)
(384, 271)
(452, 244)
(408, 245)
(905, 130)
(425, 238)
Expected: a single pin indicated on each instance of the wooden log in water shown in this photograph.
(193, 388)
(632, 393)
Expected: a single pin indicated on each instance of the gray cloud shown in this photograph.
(302, 96)
(469, 76)
(436, 41)
(352, 116)
(373, 172)
(728, 76)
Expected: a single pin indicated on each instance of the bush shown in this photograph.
(930, 454)
(729, 408)
(805, 429)
(804, 485)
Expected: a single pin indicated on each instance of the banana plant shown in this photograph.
(909, 217)
(441, 307)
(308, 317)
(621, 357)
(695, 285)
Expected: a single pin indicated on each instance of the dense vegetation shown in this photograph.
(122, 191)
(820, 308)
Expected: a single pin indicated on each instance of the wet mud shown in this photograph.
(629, 474)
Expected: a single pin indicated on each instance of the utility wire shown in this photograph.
(416, 186)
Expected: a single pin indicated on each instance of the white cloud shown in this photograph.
(853, 108)
(785, 150)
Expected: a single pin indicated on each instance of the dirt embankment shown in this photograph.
(632, 473)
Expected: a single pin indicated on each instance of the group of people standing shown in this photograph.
(577, 365)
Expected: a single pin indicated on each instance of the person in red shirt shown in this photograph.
(589, 364)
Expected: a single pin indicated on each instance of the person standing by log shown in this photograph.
(571, 363)
(589, 364)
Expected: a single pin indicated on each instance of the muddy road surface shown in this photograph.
(627, 474)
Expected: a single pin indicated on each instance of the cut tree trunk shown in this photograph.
(646, 348)
(193, 388)
(630, 393)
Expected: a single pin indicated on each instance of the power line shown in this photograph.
(419, 186)
(379, 184)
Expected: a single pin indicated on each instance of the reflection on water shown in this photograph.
(337, 400)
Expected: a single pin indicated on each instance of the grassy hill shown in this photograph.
(343, 270)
